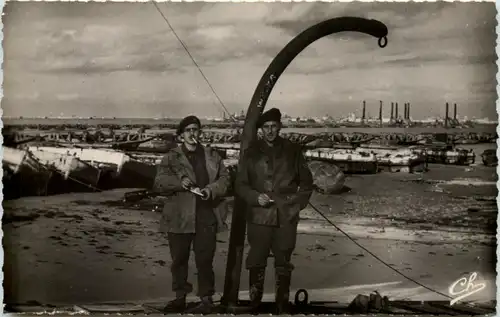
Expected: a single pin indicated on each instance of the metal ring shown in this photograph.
(384, 41)
(299, 302)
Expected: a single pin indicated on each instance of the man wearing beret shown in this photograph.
(276, 183)
(190, 219)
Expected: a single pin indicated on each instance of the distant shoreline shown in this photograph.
(171, 123)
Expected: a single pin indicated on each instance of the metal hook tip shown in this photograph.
(382, 42)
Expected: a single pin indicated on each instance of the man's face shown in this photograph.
(190, 133)
(271, 130)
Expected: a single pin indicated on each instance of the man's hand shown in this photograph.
(264, 200)
(186, 183)
(206, 193)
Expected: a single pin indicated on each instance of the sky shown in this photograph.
(122, 60)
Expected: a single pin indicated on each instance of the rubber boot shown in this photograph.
(177, 305)
(282, 295)
(205, 307)
(256, 279)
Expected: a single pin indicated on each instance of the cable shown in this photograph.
(376, 257)
(79, 182)
(222, 104)
(194, 62)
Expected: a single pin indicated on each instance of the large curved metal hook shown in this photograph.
(257, 104)
(291, 50)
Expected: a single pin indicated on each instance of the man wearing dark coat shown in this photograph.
(192, 219)
(276, 183)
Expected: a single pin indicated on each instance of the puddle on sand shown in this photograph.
(154, 205)
(469, 182)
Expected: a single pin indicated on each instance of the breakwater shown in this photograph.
(129, 138)
(48, 161)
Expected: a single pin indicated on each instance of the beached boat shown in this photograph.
(76, 174)
(320, 143)
(97, 157)
(147, 158)
(489, 157)
(136, 174)
(398, 159)
(156, 146)
(349, 161)
(446, 155)
(117, 168)
(24, 175)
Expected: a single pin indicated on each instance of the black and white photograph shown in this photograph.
(250, 157)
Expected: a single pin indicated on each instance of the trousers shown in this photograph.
(280, 240)
(204, 243)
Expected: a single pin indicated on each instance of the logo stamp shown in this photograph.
(465, 287)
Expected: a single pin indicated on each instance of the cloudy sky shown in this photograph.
(121, 59)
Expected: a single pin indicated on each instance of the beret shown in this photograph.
(272, 114)
(187, 121)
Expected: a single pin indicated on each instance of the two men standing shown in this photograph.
(274, 181)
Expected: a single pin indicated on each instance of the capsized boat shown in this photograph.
(76, 174)
(446, 155)
(397, 159)
(349, 161)
(96, 157)
(24, 175)
(156, 146)
(118, 170)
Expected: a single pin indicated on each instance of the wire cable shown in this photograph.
(192, 59)
(316, 209)
(375, 256)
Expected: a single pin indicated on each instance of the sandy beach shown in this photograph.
(86, 248)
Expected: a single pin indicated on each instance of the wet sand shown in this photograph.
(89, 248)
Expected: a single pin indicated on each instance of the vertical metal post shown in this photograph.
(364, 112)
(446, 116)
(380, 113)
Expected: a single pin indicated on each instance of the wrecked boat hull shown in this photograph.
(117, 169)
(23, 175)
(397, 159)
(76, 174)
(447, 156)
(349, 161)
(135, 174)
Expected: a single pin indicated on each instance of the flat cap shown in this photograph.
(187, 121)
(272, 114)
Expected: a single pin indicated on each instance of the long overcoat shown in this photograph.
(280, 172)
(179, 211)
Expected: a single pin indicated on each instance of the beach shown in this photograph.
(400, 140)
(435, 227)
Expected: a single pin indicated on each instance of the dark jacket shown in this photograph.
(282, 173)
(179, 212)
